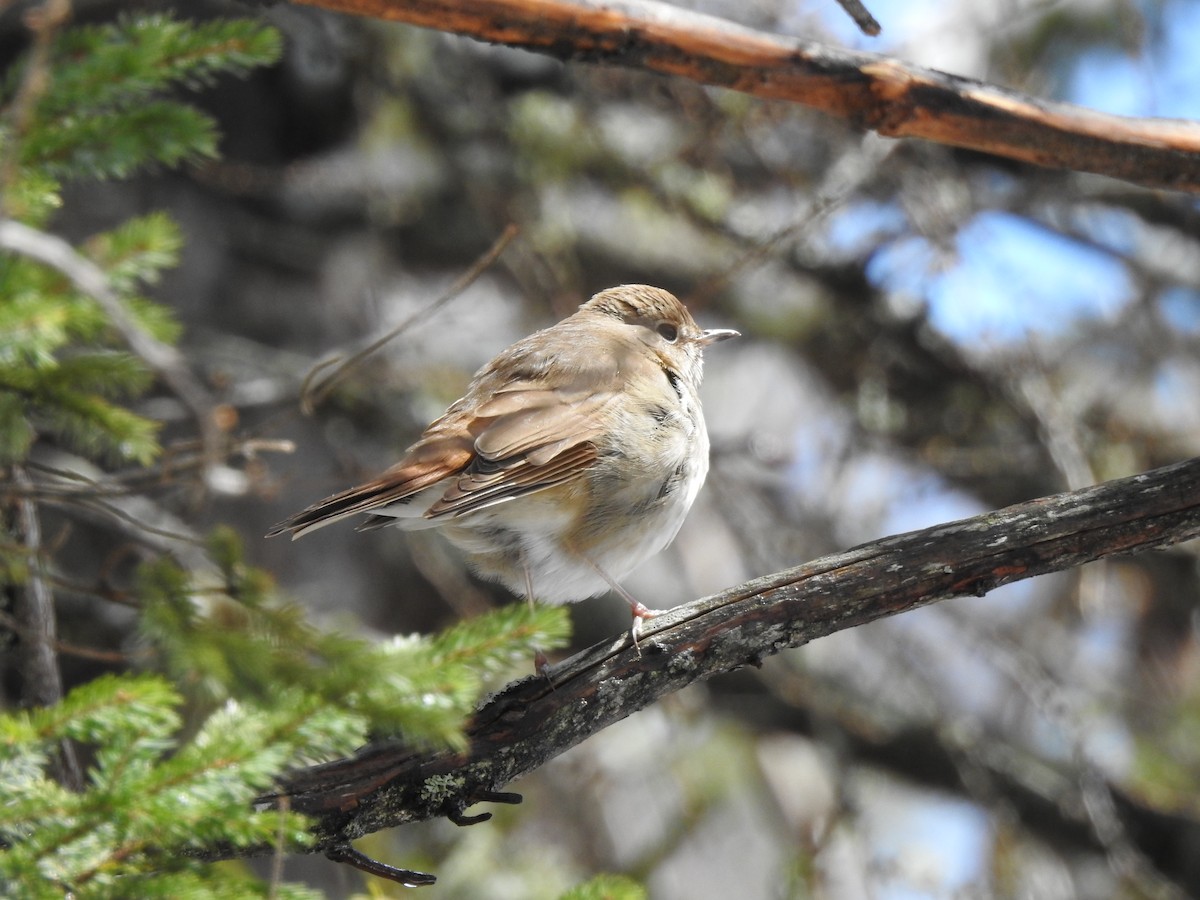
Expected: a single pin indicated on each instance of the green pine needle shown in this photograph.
(105, 112)
(606, 887)
(31, 196)
(164, 777)
(149, 797)
(116, 143)
(125, 62)
(241, 645)
(137, 251)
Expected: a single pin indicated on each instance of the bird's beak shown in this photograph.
(717, 334)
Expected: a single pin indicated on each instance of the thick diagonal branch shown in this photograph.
(885, 95)
(534, 720)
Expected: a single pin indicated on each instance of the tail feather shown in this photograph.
(397, 485)
(333, 509)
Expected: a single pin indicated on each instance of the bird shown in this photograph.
(573, 457)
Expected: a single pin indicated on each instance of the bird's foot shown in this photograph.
(641, 612)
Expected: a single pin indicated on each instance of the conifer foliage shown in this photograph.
(228, 685)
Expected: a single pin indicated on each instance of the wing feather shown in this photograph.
(413, 474)
(511, 435)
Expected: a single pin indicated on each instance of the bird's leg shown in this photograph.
(528, 581)
(640, 611)
(541, 665)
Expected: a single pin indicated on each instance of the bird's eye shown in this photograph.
(668, 331)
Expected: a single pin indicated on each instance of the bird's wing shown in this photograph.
(511, 435)
(422, 467)
(530, 439)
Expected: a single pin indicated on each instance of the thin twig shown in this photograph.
(175, 462)
(839, 184)
(862, 17)
(1092, 800)
(137, 527)
(146, 522)
(347, 855)
(312, 395)
(114, 657)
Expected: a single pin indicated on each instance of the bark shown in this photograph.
(533, 720)
(36, 626)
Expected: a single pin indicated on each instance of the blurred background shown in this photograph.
(928, 334)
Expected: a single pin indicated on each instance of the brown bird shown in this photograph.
(574, 456)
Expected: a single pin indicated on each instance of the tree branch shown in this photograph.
(872, 91)
(862, 17)
(34, 615)
(536, 719)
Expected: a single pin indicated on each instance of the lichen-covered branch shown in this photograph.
(534, 720)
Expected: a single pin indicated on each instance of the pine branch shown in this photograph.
(536, 719)
(890, 97)
(148, 796)
(90, 279)
(120, 65)
(105, 111)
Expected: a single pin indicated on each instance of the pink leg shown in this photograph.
(640, 611)
(541, 664)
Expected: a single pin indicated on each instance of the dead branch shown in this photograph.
(872, 91)
(533, 720)
(862, 17)
(33, 609)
